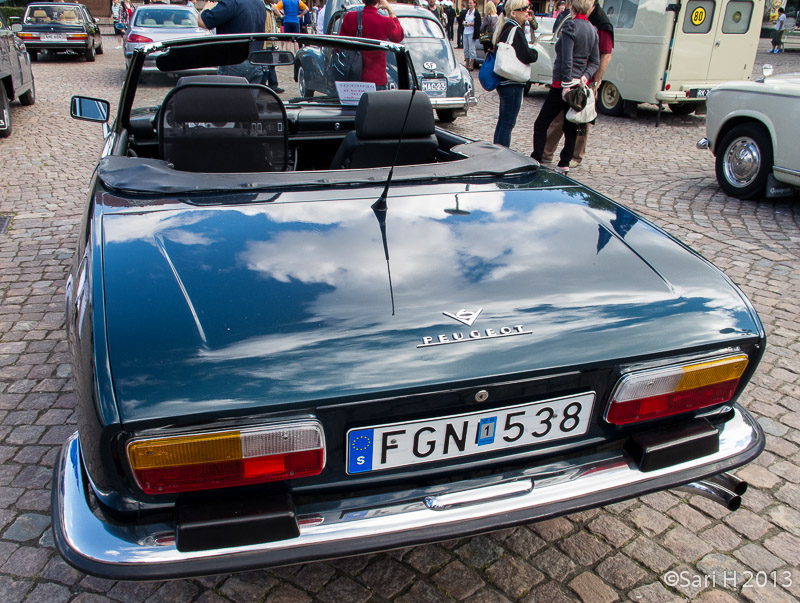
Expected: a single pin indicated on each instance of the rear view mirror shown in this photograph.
(16, 28)
(272, 57)
(89, 109)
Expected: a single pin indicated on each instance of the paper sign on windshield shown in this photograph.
(350, 92)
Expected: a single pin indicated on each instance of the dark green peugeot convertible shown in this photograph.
(317, 327)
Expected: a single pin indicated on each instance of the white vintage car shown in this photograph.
(753, 128)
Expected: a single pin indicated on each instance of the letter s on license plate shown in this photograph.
(428, 440)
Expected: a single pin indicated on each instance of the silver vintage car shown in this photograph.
(156, 23)
(752, 129)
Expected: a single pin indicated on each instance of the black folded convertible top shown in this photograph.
(154, 176)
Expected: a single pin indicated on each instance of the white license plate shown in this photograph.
(429, 440)
(699, 92)
(434, 87)
(53, 36)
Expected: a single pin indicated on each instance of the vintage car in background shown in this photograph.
(16, 77)
(156, 22)
(668, 53)
(56, 27)
(441, 75)
(753, 130)
(307, 329)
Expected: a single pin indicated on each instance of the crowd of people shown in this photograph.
(582, 52)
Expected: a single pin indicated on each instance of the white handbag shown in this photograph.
(506, 63)
(588, 113)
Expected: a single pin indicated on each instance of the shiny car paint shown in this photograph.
(206, 302)
(16, 76)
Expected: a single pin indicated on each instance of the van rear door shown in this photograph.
(714, 42)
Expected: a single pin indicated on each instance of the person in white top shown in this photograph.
(777, 35)
(472, 25)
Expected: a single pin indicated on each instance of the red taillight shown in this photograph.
(28, 36)
(77, 36)
(652, 394)
(137, 39)
(228, 458)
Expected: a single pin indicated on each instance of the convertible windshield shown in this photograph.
(165, 18)
(309, 78)
(49, 15)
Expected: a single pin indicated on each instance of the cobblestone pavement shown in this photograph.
(621, 552)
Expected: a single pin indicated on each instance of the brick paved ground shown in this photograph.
(621, 552)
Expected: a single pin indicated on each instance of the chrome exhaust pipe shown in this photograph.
(722, 488)
(729, 482)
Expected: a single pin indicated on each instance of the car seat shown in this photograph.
(222, 124)
(380, 140)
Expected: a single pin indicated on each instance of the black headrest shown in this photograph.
(380, 114)
(211, 79)
(214, 103)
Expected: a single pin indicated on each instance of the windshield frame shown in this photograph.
(407, 77)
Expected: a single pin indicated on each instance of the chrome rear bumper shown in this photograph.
(349, 527)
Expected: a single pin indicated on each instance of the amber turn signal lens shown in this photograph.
(225, 459)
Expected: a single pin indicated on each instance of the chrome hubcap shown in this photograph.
(742, 162)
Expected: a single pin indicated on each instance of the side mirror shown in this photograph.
(89, 109)
(16, 27)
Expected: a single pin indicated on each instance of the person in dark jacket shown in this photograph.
(605, 36)
(460, 33)
(450, 13)
(577, 59)
(237, 16)
(517, 13)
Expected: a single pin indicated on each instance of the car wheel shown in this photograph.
(609, 100)
(445, 115)
(90, 56)
(744, 160)
(29, 97)
(305, 91)
(34, 55)
(682, 108)
(5, 114)
(527, 88)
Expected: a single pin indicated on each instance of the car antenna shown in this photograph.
(380, 207)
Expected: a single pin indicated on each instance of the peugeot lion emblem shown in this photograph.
(463, 316)
(468, 318)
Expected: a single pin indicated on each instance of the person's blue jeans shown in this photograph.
(510, 103)
(253, 73)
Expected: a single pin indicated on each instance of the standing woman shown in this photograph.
(472, 31)
(488, 27)
(577, 58)
(516, 14)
